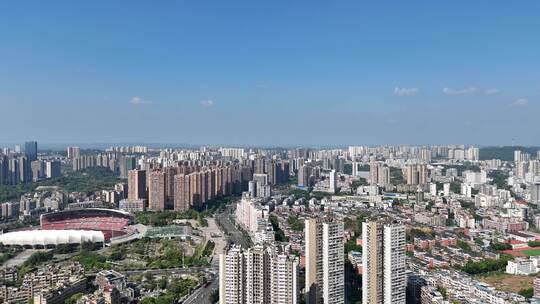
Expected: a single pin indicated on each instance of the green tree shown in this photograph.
(500, 246)
(279, 234)
(117, 253)
(214, 296)
(534, 243)
(487, 265)
(73, 299)
(527, 292)
(295, 223)
(351, 246)
(162, 283)
(464, 246)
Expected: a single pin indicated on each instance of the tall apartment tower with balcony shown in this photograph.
(263, 274)
(324, 251)
(383, 259)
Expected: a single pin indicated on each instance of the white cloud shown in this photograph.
(464, 91)
(405, 91)
(139, 101)
(492, 91)
(519, 102)
(206, 103)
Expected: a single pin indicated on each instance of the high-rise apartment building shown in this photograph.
(181, 192)
(517, 156)
(324, 251)
(535, 193)
(193, 188)
(383, 259)
(73, 152)
(137, 184)
(258, 275)
(52, 169)
(472, 153)
(259, 187)
(13, 171)
(25, 170)
(127, 163)
(170, 172)
(156, 190)
(237, 153)
(416, 174)
(38, 170)
(3, 169)
(333, 182)
(379, 174)
(304, 172)
(30, 150)
(355, 168)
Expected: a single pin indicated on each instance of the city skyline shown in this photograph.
(321, 73)
(269, 152)
(47, 146)
(384, 224)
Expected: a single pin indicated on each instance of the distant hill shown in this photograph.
(506, 152)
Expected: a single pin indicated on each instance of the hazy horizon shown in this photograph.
(104, 145)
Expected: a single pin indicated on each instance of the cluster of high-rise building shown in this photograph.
(259, 186)
(247, 275)
(195, 188)
(118, 164)
(236, 153)
(82, 162)
(263, 274)
(128, 149)
(307, 174)
(18, 167)
(527, 167)
(424, 153)
(379, 174)
(277, 170)
(308, 171)
(416, 174)
(73, 151)
(186, 186)
(527, 172)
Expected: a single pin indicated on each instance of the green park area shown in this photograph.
(86, 181)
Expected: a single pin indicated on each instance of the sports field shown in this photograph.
(531, 252)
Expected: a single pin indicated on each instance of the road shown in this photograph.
(20, 258)
(202, 295)
(235, 236)
(167, 271)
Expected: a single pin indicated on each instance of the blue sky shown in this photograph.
(270, 72)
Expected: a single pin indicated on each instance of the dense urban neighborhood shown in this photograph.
(362, 224)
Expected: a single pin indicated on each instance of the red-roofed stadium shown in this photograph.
(111, 222)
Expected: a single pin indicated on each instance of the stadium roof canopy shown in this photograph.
(51, 237)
